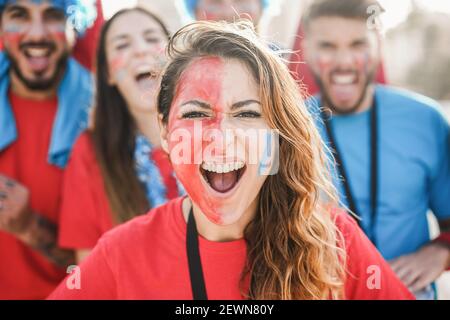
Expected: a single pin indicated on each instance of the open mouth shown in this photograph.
(222, 177)
(343, 85)
(146, 78)
(344, 78)
(38, 57)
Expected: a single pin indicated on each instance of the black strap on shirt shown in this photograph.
(373, 168)
(194, 261)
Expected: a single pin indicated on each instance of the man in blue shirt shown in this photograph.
(390, 146)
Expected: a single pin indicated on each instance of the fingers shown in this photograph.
(397, 264)
(405, 269)
(420, 283)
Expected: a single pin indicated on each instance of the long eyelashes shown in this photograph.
(193, 115)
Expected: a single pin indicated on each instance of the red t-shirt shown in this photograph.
(85, 211)
(146, 259)
(24, 273)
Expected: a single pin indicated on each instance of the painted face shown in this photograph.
(217, 138)
(343, 55)
(38, 40)
(229, 10)
(135, 46)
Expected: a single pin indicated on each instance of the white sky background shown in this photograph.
(396, 10)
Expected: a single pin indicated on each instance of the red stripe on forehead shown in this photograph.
(202, 79)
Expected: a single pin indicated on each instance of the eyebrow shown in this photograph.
(15, 7)
(198, 103)
(244, 103)
(236, 105)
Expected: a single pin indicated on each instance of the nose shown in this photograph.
(37, 30)
(344, 59)
(141, 48)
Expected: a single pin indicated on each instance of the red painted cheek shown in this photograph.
(323, 64)
(13, 38)
(363, 62)
(118, 67)
(60, 36)
(202, 81)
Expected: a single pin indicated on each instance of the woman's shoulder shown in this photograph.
(345, 222)
(83, 148)
(160, 221)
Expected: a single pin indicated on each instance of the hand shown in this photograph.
(15, 213)
(421, 268)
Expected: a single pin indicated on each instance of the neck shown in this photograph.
(365, 104)
(19, 89)
(218, 233)
(147, 124)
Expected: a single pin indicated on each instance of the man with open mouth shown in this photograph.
(44, 101)
(391, 146)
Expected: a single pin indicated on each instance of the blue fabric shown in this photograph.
(80, 13)
(148, 172)
(414, 166)
(75, 94)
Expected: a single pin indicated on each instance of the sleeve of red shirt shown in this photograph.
(96, 281)
(78, 222)
(369, 276)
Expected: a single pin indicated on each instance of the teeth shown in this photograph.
(143, 69)
(37, 53)
(222, 168)
(347, 79)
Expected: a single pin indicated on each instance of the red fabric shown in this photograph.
(162, 161)
(85, 211)
(146, 259)
(24, 273)
(444, 237)
(86, 47)
(301, 72)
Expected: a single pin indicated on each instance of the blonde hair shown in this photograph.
(294, 247)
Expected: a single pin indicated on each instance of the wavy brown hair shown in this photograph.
(294, 247)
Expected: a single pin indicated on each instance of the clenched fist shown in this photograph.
(15, 213)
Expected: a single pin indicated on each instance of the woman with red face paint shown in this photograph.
(260, 220)
(118, 170)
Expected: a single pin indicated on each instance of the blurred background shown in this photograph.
(417, 37)
(416, 51)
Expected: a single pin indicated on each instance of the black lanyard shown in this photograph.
(195, 264)
(373, 167)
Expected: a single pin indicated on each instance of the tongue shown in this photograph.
(222, 182)
(38, 64)
(343, 93)
(146, 83)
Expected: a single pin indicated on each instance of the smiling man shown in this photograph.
(44, 98)
(390, 145)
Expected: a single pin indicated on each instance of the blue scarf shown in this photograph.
(148, 173)
(75, 93)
